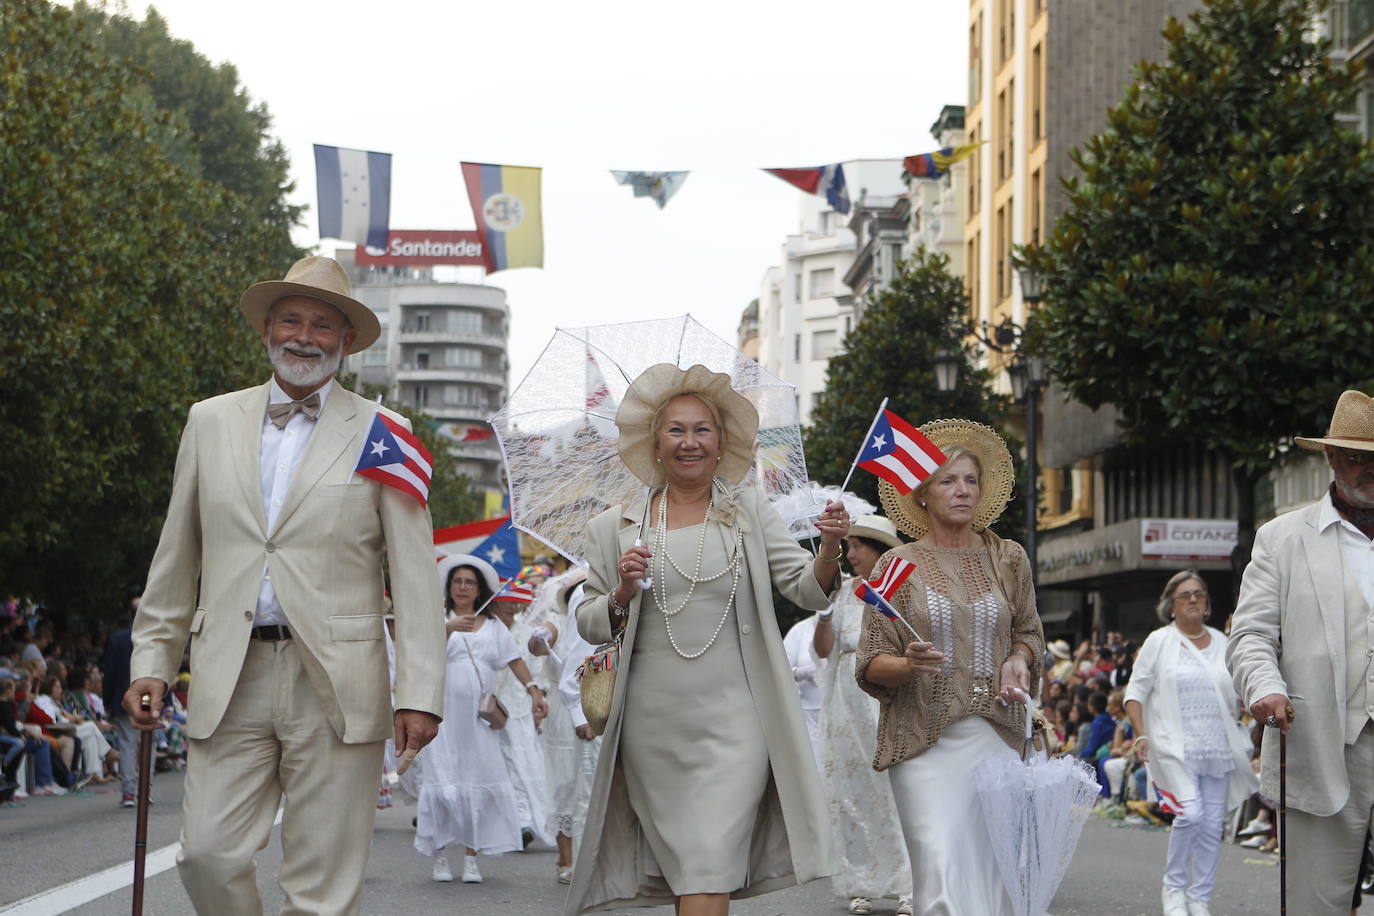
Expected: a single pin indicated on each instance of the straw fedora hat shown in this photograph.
(1060, 649)
(319, 278)
(484, 569)
(995, 483)
(655, 387)
(876, 528)
(1352, 425)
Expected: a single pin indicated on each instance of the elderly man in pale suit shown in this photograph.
(1303, 634)
(270, 562)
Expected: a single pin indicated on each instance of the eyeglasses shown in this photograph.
(1199, 594)
(1357, 457)
(469, 582)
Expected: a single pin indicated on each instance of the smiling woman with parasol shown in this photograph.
(706, 787)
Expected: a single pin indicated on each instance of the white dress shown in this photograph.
(808, 672)
(573, 788)
(521, 744)
(465, 794)
(871, 858)
(562, 756)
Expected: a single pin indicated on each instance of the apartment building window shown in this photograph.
(823, 344)
(823, 283)
(1036, 190)
(1004, 32)
(464, 322)
(975, 61)
(827, 221)
(422, 359)
(375, 355)
(975, 176)
(796, 287)
(463, 358)
(1000, 240)
(421, 320)
(796, 348)
(1037, 93)
(1001, 115)
(974, 276)
(421, 396)
(1004, 254)
(463, 396)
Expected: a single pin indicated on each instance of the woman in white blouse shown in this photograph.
(1184, 709)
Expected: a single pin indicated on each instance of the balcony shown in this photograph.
(1355, 32)
(413, 335)
(407, 372)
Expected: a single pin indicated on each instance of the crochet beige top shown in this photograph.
(973, 603)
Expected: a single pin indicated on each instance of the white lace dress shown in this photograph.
(521, 744)
(870, 850)
(1205, 745)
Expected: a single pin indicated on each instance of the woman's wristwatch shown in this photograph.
(1021, 651)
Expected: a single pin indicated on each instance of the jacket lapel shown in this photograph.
(246, 448)
(336, 428)
(1325, 564)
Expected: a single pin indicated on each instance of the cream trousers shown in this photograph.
(275, 744)
(1324, 852)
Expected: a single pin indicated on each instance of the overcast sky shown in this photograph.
(720, 88)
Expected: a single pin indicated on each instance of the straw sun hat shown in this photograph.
(319, 278)
(876, 528)
(995, 482)
(1352, 425)
(654, 388)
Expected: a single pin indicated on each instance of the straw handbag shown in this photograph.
(597, 677)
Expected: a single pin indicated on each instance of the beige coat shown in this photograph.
(325, 557)
(792, 841)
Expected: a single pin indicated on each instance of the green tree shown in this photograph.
(1213, 271)
(891, 353)
(118, 308)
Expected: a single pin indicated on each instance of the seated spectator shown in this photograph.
(31, 741)
(1076, 729)
(94, 748)
(1100, 731)
(1103, 667)
(1113, 765)
(81, 701)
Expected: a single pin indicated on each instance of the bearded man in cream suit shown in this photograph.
(1303, 634)
(270, 562)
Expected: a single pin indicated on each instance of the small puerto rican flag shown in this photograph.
(518, 592)
(878, 592)
(393, 456)
(899, 453)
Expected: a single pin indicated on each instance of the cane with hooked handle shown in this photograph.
(1283, 806)
(145, 765)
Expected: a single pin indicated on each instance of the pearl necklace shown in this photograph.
(660, 591)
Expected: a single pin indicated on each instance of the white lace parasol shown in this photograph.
(558, 435)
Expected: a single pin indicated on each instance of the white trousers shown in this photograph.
(1324, 852)
(1195, 840)
(94, 747)
(273, 742)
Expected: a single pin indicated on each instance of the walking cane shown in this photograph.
(145, 763)
(1283, 810)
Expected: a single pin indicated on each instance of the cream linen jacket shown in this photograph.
(1288, 637)
(325, 558)
(791, 843)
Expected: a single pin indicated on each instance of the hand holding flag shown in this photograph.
(898, 452)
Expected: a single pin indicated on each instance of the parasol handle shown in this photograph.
(648, 581)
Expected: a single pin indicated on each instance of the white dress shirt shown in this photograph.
(281, 454)
(1357, 556)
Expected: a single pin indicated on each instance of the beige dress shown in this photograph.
(696, 764)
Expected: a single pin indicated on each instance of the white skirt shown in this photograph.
(942, 820)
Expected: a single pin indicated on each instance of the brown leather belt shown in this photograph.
(273, 633)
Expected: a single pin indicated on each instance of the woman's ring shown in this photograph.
(1272, 721)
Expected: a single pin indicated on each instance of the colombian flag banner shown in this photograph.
(505, 203)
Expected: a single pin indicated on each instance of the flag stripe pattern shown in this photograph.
(900, 453)
(519, 592)
(878, 592)
(394, 457)
(353, 188)
(825, 180)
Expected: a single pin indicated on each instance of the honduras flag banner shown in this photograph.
(353, 187)
(825, 180)
(494, 540)
(394, 457)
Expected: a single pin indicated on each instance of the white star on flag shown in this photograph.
(380, 447)
(880, 442)
(496, 554)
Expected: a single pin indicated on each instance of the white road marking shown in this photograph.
(82, 891)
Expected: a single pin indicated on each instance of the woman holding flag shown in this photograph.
(706, 788)
(948, 701)
(465, 793)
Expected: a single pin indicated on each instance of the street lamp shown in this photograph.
(949, 360)
(1031, 292)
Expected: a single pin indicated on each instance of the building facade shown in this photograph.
(443, 351)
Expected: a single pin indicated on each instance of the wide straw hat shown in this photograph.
(485, 569)
(658, 385)
(1352, 425)
(995, 483)
(876, 528)
(319, 278)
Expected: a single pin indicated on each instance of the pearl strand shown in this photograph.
(734, 564)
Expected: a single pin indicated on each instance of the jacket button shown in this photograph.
(746, 629)
(247, 615)
(271, 547)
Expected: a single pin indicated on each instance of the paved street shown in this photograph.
(47, 843)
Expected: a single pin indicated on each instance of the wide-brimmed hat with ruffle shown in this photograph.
(658, 385)
(319, 278)
(995, 484)
(1352, 425)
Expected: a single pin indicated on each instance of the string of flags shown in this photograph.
(353, 188)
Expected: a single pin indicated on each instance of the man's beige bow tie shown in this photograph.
(280, 414)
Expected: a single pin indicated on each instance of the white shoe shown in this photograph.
(1256, 841)
(565, 875)
(470, 873)
(860, 905)
(904, 906)
(1199, 908)
(442, 871)
(1256, 826)
(1175, 900)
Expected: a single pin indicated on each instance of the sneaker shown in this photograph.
(442, 871)
(81, 783)
(1199, 908)
(565, 874)
(51, 788)
(1135, 820)
(470, 873)
(1256, 841)
(904, 906)
(526, 837)
(860, 905)
(1256, 826)
(128, 801)
(1175, 900)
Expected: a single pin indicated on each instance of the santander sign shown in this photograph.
(423, 248)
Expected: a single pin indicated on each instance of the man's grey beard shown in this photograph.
(303, 374)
